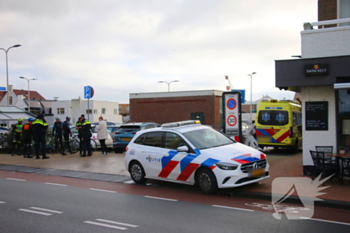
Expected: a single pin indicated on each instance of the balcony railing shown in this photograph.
(321, 24)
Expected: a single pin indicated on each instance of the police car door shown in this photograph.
(152, 152)
(175, 165)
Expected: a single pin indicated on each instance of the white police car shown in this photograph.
(190, 153)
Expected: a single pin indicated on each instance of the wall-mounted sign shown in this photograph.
(317, 69)
(316, 115)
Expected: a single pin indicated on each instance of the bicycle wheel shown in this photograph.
(50, 146)
(74, 145)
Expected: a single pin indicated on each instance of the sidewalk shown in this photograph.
(111, 168)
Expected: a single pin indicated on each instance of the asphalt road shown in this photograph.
(44, 206)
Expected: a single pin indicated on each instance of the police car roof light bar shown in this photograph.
(180, 123)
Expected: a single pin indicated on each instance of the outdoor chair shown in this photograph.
(345, 166)
(322, 165)
(326, 150)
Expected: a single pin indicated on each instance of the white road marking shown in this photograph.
(15, 179)
(56, 184)
(118, 223)
(35, 212)
(328, 221)
(105, 225)
(103, 190)
(2, 202)
(160, 198)
(233, 208)
(47, 210)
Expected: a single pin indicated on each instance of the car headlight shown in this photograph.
(226, 166)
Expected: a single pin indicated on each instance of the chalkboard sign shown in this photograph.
(316, 115)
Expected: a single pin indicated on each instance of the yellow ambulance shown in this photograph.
(278, 124)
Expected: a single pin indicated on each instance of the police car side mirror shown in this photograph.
(182, 149)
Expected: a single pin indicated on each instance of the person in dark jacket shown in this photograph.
(66, 133)
(57, 132)
(27, 139)
(86, 135)
(39, 128)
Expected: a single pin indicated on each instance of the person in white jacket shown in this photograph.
(102, 135)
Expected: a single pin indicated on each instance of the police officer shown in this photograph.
(39, 128)
(78, 126)
(57, 132)
(27, 139)
(66, 133)
(17, 134)
(86, 135)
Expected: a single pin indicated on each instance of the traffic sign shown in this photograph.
(231, 104)
(88, 92)
(2, 88)
(231, 120)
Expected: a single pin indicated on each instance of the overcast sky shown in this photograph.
(120, 47)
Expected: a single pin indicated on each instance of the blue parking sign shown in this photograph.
(88, 92)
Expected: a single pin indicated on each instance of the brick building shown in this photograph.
(163, 107)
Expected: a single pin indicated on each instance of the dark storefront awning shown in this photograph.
(294, 73)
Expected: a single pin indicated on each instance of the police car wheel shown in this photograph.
(206, 181)
(137, 173)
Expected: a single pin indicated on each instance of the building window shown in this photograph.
(115, 111)
(88, 111)
(95, 111)
(60, 111)
(128, 108)
(10, 100)
(344, 11)
(120, 108)
(103, 110)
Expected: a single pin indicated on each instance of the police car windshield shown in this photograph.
(207, 138)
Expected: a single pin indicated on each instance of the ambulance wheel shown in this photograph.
(295, 148)
(206, 181)
(136, 172)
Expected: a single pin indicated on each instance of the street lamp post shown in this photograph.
(28, 80)
(251, 95)
(174, 81)
(7, 72)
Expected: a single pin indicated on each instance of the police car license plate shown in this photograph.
(257, 172)
(125, 139)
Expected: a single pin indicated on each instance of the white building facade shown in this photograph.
(92, 109)
(322, 76)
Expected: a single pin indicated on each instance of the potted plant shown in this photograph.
(341, 150)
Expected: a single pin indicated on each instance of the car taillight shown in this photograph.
(291, 132)
(134, 132)
(116, 133)
(126, 149)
